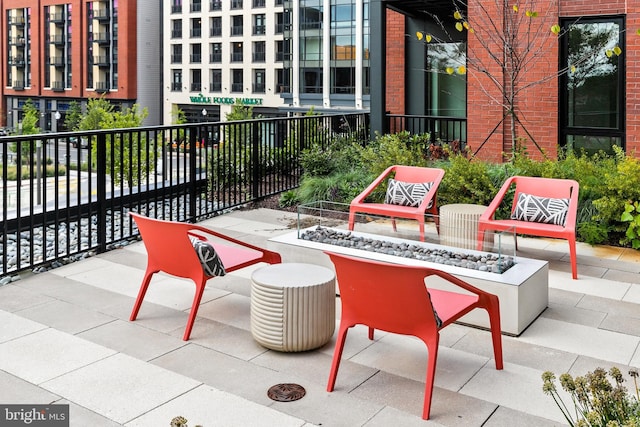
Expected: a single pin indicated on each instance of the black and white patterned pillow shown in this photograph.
(407, 193)
(209, 259)
(541, 209)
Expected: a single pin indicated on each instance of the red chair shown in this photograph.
(170, 250)
(405, 175)
(394, 298)
(532, 211)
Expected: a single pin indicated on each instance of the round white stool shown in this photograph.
(459, 226)
(293, 306)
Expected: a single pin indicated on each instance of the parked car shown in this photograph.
(84, 142)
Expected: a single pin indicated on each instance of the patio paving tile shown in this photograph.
(133, 339)
(205, 403)
(47, 354)
(593, 342)
(16, 298)
(120, 387)
(65, 317)
(516, 387)
(14, 326)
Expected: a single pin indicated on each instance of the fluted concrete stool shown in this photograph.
(293, 306)
(459, 226)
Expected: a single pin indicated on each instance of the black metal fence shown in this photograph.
(67, 194)
(441, 129)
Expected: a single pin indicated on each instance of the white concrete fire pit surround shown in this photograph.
(523, 290)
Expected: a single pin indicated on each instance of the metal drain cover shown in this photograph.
(286, 392)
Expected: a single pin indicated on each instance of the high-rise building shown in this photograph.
(56, 52)
(221, 52)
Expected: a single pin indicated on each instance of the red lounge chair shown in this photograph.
(401, 207)
(170, 250)
(394, 298)
(544, 207)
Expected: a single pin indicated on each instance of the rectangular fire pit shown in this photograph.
(522, 289)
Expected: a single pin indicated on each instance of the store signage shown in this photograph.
(201, 99)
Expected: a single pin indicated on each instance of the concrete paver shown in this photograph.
(65, 338)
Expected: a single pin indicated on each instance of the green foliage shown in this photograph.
(26, 172)
(340, 187)
(343, 153)
(618, 185)
(467, 181)
(595, 401)
(631, 215)
(99, 111)
(289, 198)
(29, 126)
(73, 116)
(401, 148)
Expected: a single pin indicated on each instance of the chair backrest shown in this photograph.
(546, 187)
(169, 247)
(418, 174)
(384, 296)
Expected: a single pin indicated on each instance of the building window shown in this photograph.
(236, 25)
(176, 82)
(236, 51)
(215, 5)
(196, 6)
(176, 6)
(259, 81)
(196, 80)
(592, 91)
(176, 28)
(176, 54)
(446, 94)
(216, 81)
(196, 54)
(258, 24)
(236, 80)
(258, 51)
(258, 3)
(216, 53)
(236, 4)
(196, 27)
(282, 81)
(279, 2)
(215, 26)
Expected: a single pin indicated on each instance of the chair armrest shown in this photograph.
(433, 192)
(485, 298)
(268, 256)
(497, 200)
(363, 195)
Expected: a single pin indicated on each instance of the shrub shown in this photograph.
(595, 401)
(340, 187)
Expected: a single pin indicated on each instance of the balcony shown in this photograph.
(57, 18)
(176, 87)
(196, 32)
(176, 59)
(237, 30)
(102, 60)
(258, 57)
(196, 87)
(57, 86)
(195, 58)
(215, 58)
(196, 7)
(18, 85)
(176, 8)
(259, 30)
(215, 32)
(236, 87)
(17, 41)
(176, 34)
(236, 57)
(102, 15)
(57, 40)
(17, 61)
(17, 21)
(101, 87)
(215, 5)
(102, 37)
(57, 61)
(215, 87)
(259, 88)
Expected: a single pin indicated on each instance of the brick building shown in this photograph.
(593, 105)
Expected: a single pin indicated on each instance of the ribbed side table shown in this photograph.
(459, 226)
(293, 306)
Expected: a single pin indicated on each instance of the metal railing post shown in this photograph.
(101, 184)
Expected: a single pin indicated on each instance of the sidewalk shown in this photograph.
(66, 338)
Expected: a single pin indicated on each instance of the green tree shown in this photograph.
(29, 126)
(73, 116)
(508, 45)
(239, 133)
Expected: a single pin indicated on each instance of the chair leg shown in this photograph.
(141, 293)
(194, 309)
(393, 223)
(493, 310)
(371, 333)
(352, 219)
(432, 348)
(337, 355)
(573, 255)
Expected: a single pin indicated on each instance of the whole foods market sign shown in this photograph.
(201, 99)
